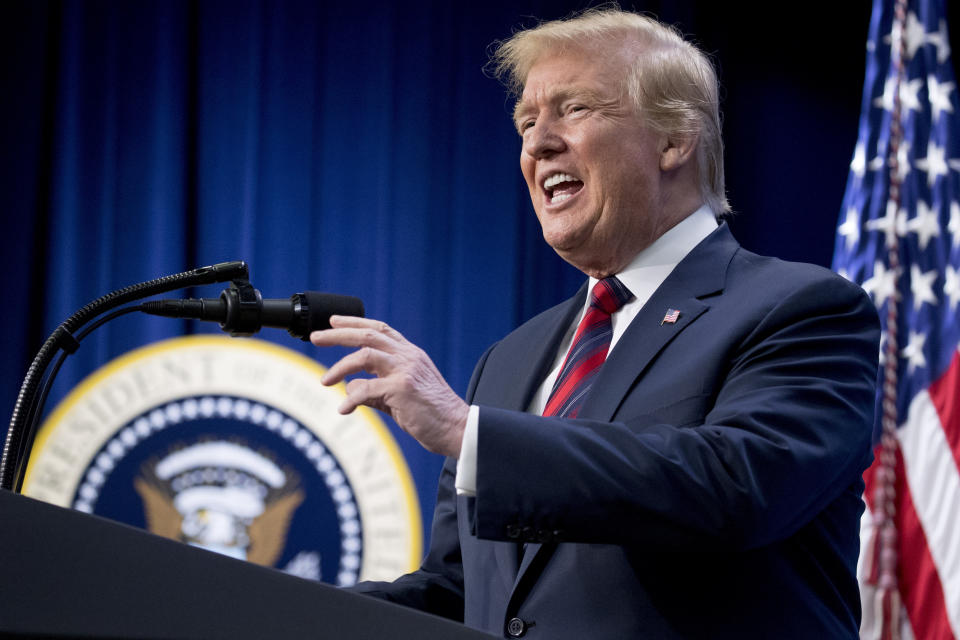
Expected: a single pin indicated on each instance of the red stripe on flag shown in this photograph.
(870, 478)
(944, 395)
(871, 545)
(920, 586)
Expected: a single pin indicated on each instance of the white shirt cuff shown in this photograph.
(466, 480)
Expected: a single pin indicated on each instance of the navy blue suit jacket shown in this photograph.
(710, 487)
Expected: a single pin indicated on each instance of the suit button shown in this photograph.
(544, 536)
(513, 531)
(516, 627)
(528, 534)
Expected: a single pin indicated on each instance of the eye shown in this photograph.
(576, 108)
(525, 124)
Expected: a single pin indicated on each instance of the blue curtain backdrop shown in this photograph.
(352, 147)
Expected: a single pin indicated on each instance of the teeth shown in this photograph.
(559, 198)
(557, 178)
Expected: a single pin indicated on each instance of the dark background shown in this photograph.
(356, 148)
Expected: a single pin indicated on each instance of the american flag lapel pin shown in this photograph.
(671, 316)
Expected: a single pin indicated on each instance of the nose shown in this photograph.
(543, 139)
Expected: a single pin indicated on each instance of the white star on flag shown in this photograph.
(951, 285)
(941, 41)
(882, 284)
(908, 95)
(914, 35)
(935, 164)
(925, 225)
(954, 225)
(921, 284)
(939, 96)
(888, 224)
(859, 163)
(850, 229)
(913, 352)
(903, 161)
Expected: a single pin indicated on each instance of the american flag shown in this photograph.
(899, 238)
(671, 316)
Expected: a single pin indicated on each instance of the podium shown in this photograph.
(68, 574)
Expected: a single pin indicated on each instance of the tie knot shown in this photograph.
(609, 295)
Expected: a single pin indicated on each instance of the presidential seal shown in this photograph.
(233, 445)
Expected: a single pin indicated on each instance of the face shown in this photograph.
(591, 165)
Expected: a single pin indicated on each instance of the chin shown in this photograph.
(573, 257)
(566, 251)
(563, 240)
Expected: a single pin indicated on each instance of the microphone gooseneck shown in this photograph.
(23, 422)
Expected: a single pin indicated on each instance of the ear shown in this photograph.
(677, 150)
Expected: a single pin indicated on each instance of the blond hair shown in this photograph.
(671, 82)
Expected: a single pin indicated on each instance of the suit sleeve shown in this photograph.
(783, 431)
(437, 586)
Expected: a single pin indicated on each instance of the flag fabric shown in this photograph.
(899, 238)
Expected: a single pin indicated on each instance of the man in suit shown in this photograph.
(676, 451)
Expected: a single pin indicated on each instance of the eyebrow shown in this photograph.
(520, 110)
(554, 95)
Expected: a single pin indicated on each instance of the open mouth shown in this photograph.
(561, 186)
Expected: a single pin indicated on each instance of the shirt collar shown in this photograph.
(666, 251)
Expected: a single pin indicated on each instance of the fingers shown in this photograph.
(377, 343)
(377, 327)
(359, 337)
(381, 328)
(365, 359)
(350, 331)
(358, 322)
(407, 386)
(360, 391)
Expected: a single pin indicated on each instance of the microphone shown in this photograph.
(242, 311)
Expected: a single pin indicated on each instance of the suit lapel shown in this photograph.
(532, 353)
(701, 273)
(533, 357)
(697, 276)
(646, 336)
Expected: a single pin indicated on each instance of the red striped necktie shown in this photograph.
(588, 350)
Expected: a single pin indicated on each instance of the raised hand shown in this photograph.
(407, 385)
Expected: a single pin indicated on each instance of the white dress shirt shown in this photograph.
(645, 273)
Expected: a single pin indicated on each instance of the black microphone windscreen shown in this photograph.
(321, 306)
